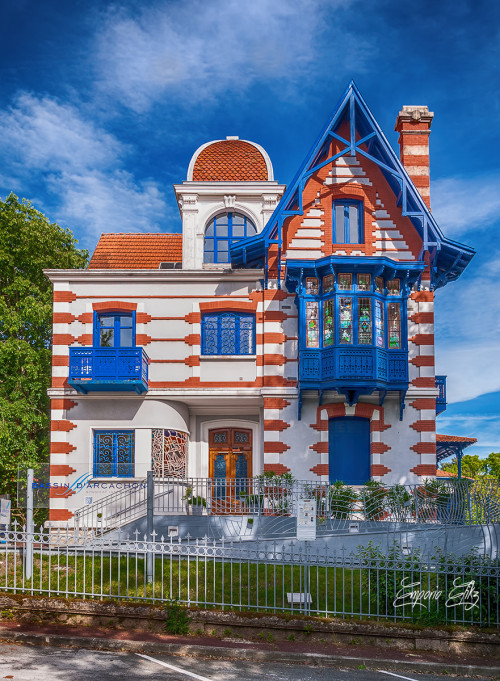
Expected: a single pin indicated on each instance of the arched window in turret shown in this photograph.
(222, 231)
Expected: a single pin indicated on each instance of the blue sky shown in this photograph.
(102, 105)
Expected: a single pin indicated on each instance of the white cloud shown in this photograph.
(454, 209)
(196, 50)
(81, 164)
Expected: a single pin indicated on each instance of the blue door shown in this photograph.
(349, 450)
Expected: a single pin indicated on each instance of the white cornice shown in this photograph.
(156, 275)
(217, 188)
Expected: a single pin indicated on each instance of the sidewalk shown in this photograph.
(291, 652)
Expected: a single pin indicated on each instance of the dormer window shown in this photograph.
(223, 231)
(347, 222)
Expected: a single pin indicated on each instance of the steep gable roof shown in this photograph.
(136, 251)
(447, 258)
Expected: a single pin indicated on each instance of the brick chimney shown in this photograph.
(414, 126)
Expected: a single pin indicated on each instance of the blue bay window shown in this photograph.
(114, 455)
(347, 222)
(352, 323)
(223, 231)
(228, 333)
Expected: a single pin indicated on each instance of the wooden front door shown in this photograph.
(230, 466)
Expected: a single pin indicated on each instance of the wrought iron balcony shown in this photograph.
(358, 368)
(107, 369)
(441, 398)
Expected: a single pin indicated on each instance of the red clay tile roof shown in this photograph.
(454, 438)
(136, 251)
(230, 161)
(449, 474)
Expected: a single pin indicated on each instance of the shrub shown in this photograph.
(177, 620)
(342, 500)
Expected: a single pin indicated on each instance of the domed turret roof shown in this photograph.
(230, 160)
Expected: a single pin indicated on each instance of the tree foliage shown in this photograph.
(475, 467)
(29, 243)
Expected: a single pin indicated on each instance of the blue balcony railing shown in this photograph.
(106, 369)
(359, 367)
(441, 398)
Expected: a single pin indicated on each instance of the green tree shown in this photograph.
(491, 465)
(29, 243)
(472, 466)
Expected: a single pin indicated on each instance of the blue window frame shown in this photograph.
(114, 455)
(347, 222)
(222, 231)
(228, 333)
(114, 330)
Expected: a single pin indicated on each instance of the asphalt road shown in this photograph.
(31, 663)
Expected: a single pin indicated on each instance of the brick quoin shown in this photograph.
(277, 468)
(114, 306)
(270, 360)
(320, 447)
(61, 470)
(86, 317)
(142, 339)
(142, 317)
(379, 448)
(63, 318)
(85, 339)
(193, 318)
(59, 382)
(60, 514)
(422, 317)
(423, 339)
(365, 410)
(423, 361)
(60, 360)
(379, 469)
(58, 403)
(269, 294)
(424, 382)
(193, 339)
(423, 426)
(424, 469)
(276, 424)
(424, 448)
(320, 469)
(273, 447)
(61, 448)
(422, 296)
(275, 403)
(272, 316)
(424, 403)
(60, 493)
(64, 296)
(270, 337)
(63, 425)
(63, 339)
(192, 361)
(321, 425)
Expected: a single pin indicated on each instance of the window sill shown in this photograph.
(230, 357)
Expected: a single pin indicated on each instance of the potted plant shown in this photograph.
(197, 505)
(255, 503)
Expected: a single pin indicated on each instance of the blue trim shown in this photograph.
(108, 369)
(114, 454)
(117, 326)
(447, 258)
(346, 203)
(349, 450)
(441, 398)
(226, 333)
(221, 255)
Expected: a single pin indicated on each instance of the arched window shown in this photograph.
(222, 231)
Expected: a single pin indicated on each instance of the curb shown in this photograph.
(222, 653)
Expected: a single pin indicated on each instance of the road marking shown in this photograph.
(381, 671)
(177, 669)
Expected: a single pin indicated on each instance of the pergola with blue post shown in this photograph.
(452, 445)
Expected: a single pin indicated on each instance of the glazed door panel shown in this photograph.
(230, 465)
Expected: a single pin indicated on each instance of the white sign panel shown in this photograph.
(5, 506)
(306, 519)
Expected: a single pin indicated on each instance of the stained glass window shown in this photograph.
(228, 333)
(169, 453)
(328, 322)
(364, 282)
(364, 321)
(393, 287)
(379, 284)
(312, 322)
(345, 330)
(221, 232)
(240, 437)
(394, 325)
(220, 437)
(328, 283)
(345, 282)
(379, 323)
(312, 286)
(114, 454)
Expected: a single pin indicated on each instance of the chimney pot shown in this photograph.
(414, 126)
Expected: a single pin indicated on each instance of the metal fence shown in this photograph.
(289, 577)
(462, 502)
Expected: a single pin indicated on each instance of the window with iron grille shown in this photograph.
(228, 333)
(114, 455)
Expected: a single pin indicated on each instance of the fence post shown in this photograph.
(149, 523)
(28, 547)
